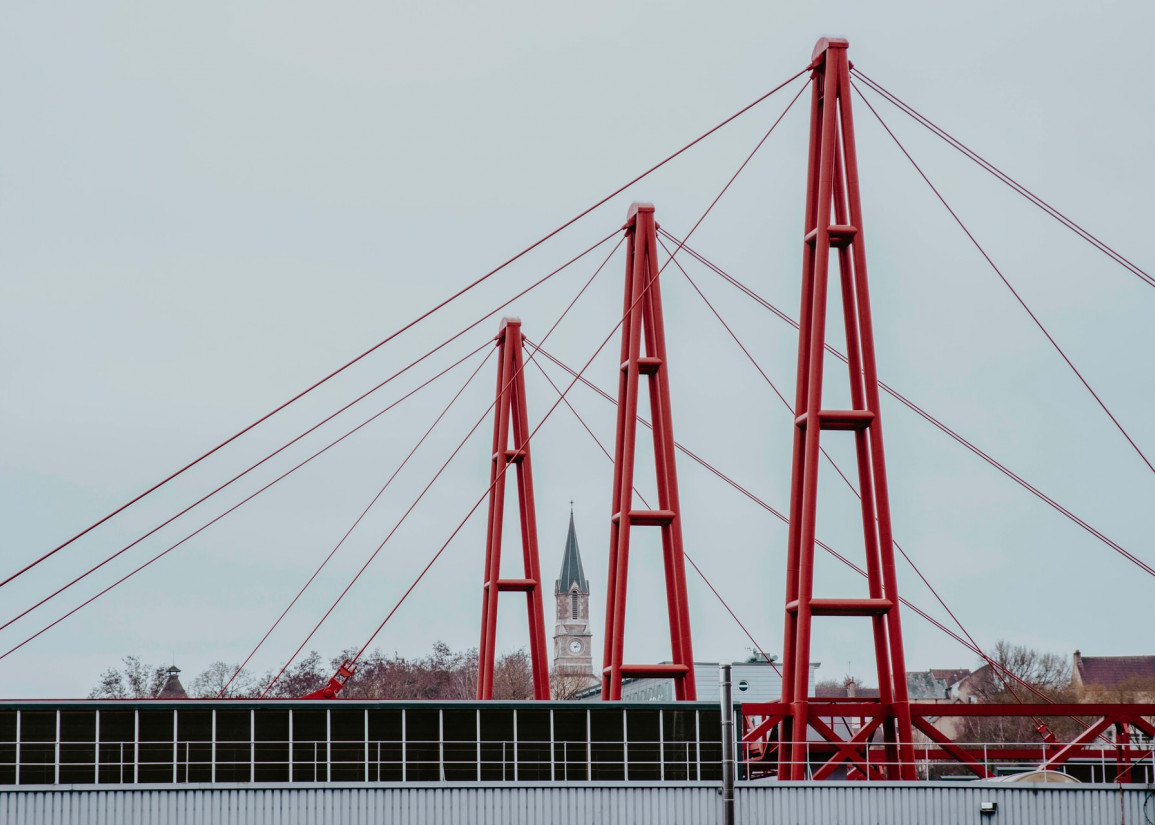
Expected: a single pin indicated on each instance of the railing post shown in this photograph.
(728, 766)
(56, 757)
(96, 738)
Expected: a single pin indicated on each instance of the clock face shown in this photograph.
(575, 646)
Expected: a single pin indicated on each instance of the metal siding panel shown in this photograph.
(614, 804)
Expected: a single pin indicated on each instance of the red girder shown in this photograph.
(335, 683)
(763, 752)
(510, 413)
(833, 221)
(642, 319)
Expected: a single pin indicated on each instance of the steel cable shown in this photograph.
(974, 156)
(785, 520)
(416, 501)
(930, 419)
(358, 520)
(230, 510)
(318, 425)
(405, 327)
(629, 309)
(637, 492)
(1007, 283)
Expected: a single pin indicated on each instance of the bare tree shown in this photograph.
(136, 680)
(212, 682)
(564, 685)
(513, 676)
(1041, 677)
(298, 680)
(441, 674)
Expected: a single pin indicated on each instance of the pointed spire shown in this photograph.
(571, 563)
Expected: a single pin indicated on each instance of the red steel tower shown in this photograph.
(643, 330)
(510, 414)
(833, 221)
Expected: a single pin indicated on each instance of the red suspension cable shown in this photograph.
(782, 517)
(375, 553)
(1007, 283)
(902, 399)
(406, 327)
(578, 375)
(235, 507)
(1002, 176)
(318, 425)
(974, 644)
(358, 520)
(693, 564)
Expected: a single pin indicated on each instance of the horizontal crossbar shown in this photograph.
(839, 419)
(844, 607)
(515, 585)
(658, 671)
(648, 518)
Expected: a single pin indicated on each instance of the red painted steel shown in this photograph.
(510, 414)
(335, 683)
(643, 327)
(764, 756)
(833, 220)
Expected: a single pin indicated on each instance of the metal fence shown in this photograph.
(1100, 762)
(191, 742)
(197, 742)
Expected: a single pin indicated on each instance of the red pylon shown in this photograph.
(643, 315)
(834, 221)
(509, 413)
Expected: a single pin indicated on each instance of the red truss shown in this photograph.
(643, 318)
(833, 221)
(849, 726)
(510, 413)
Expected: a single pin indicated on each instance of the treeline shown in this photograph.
(441, 674)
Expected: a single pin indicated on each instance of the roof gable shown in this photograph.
(1113, 671)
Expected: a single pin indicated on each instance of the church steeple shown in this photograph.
(571, 565)
(573, 665)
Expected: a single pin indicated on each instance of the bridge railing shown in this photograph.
(353, 761)
(491, 760)
(1103, 761)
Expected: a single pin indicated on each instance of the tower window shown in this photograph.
(573, 604)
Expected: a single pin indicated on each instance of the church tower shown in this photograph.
(572, 656)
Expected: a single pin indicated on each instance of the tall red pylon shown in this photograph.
(510, 417)
(642, 319)
(834, 221)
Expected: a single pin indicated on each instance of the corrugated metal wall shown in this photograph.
(928, 803)
(361, 805)
(605, 804)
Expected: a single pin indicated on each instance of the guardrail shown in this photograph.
(143, 742)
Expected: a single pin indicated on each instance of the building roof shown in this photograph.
(571, 564)
(172, 688)
(1112, 671)
(951, 676)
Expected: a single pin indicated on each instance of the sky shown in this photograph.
(205, 209)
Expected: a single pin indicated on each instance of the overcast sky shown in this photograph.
(206, 208)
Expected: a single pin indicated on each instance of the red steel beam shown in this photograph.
(760, 718)
(833, 221)
(510, 414)
(644, 353)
